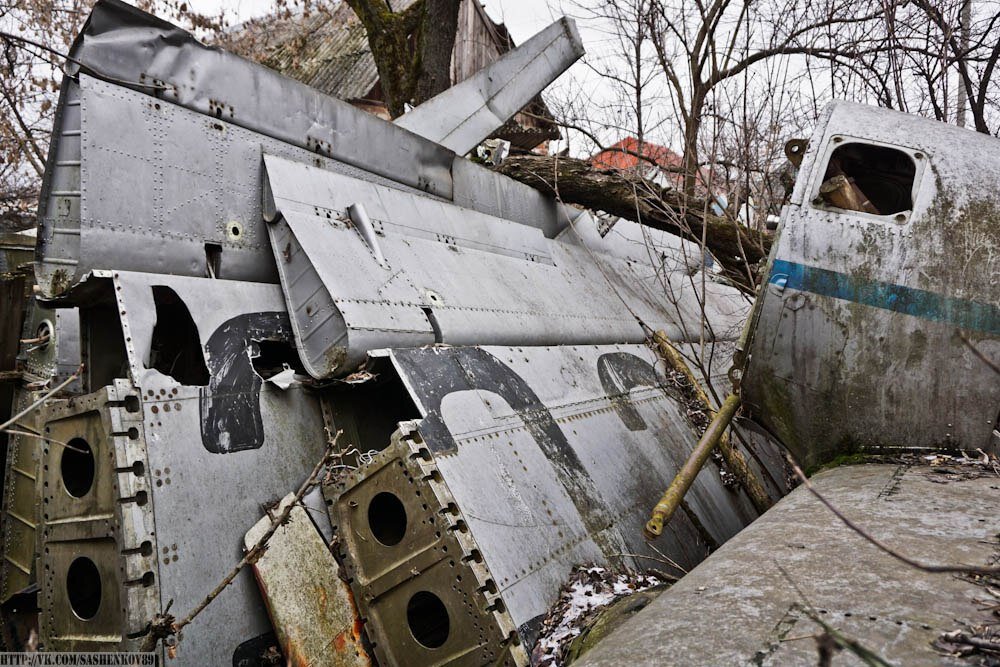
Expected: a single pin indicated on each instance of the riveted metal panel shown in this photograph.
(58, 239)
(21, 497)
(180, 178)
(436, 559)
(123, 42)
(467, 113)
(429, 270)
(208, 445)
(232, 446)
(98, 574)
(546, 452)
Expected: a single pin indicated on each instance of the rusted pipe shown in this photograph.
(685, 477)
(738, 465)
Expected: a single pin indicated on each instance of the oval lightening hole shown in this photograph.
(77, 467)
(428, 619)
(387, 519)
(83, 588)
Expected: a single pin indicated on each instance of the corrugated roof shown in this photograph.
(326, 49)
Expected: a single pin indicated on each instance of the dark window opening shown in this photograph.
(77, 467)
(102, 346)
(83, 588)
(870, 179)
(175, 349)
(270, 357)
(387, 519)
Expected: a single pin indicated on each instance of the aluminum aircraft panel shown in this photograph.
(186, 181)
(365, 266)
(469, 112)
(544, 453)
(178, 127)
(206, 444)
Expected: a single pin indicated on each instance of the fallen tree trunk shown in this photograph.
(737, 248)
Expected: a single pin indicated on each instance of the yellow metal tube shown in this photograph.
(685, 477)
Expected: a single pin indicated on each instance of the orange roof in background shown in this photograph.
(622, 155)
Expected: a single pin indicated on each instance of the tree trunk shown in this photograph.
(437, 42)
(398, 63)
(692, 127)
(738, 249)
(412, 48)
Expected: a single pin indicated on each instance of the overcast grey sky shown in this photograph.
(523, 17)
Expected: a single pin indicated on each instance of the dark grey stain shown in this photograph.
(436, 373)
(620, 372)
(230, 404)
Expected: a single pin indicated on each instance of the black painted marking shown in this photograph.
(620, 372)
(230, 404)
(436, 373)
(251, 653)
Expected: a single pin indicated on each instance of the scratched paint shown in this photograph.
(440, 372)
(620, 372)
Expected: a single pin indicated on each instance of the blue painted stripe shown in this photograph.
(969, 315)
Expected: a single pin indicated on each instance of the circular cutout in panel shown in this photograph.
(428, 619)
(83, 588)
(387, 519)
(77, 467)
(43, 335)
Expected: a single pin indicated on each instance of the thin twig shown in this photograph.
(47, 396)
(28, 434)
(976, 351)
(665, 557)
(653, 558)
(943, 569)
(866, 655)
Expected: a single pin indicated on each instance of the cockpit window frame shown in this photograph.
(816, 201)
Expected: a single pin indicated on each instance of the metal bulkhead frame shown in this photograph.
(98, 564)
(424, 590)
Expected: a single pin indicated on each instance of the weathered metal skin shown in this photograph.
(858, 337)
(234, 172)
(182, 141)
(190, 462)
(98, 547)
(310, 605)
(463, 116)
(57, 360)
(535, 459)
(364, 266)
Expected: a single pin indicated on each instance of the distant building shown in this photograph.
(328, 50)
(664, 167)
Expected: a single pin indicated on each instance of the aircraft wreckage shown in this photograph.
(244, 266)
